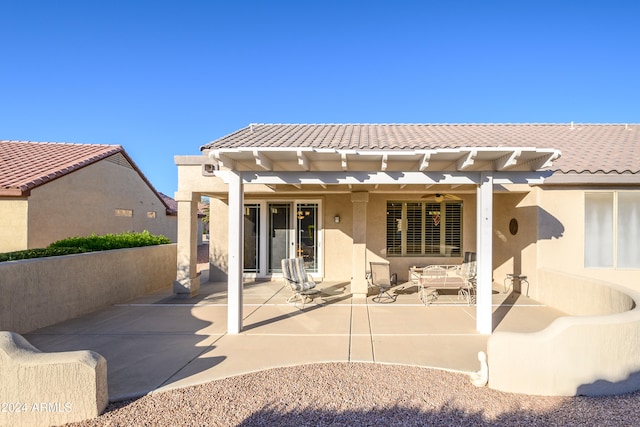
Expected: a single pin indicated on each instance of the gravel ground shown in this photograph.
(362, 394)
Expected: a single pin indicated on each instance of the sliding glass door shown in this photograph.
(281, 229)
(279, 234)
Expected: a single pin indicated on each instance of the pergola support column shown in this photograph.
(484, 255)
(187, 283)
(359, 286)
(236, 252)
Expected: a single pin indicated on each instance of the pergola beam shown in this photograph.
(262, 160)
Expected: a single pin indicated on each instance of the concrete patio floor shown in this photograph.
(158, 342)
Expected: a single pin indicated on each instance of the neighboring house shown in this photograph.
(525, 197)
(50, 191)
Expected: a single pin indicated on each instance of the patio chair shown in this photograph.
(431, 278)
(467, 271)
(381, 278)
(300, 282)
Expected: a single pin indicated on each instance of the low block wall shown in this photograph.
(40, 292)
(43, 389)
(592, 352)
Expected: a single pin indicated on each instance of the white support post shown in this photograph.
(236, 229)
(484, 255)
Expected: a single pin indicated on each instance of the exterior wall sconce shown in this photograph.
(336, 219)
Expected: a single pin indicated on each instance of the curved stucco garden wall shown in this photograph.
(44, 291)
(592, 351)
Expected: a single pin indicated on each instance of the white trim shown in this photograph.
(263, 267)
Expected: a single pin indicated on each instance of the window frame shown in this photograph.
(401, 231)
(614, 233)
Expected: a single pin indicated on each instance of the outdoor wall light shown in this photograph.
(337, 219)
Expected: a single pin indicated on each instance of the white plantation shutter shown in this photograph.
(453, 228)
(394, 227)
(424, 229)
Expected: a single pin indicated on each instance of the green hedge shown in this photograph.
(76, 245)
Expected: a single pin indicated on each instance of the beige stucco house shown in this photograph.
(525, 197)
(559, 203)
(50, 191)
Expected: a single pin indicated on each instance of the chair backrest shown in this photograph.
(469, 266)
(380, 275)
(293, 270)
(433, 275)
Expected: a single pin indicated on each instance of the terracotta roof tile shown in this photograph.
(26, 165)
(608, 148)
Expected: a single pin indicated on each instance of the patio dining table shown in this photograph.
(448, 278)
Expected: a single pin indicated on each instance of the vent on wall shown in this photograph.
(119, 159)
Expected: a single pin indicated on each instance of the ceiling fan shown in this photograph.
(440, 197)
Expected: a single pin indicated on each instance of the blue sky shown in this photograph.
(162, 78)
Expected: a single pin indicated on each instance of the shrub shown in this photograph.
(39, 253)
(111, 241)
(76, 245)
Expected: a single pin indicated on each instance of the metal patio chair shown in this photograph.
(381, 278)
(298, 280)
(467, 271)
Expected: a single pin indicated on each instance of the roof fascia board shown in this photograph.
(14, 192)
(592, 179)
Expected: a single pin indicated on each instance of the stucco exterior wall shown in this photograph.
(338, 240)
(85, 202)
(13, 224)
(561, 238)
(44, 291)
(514, 253)
(218, 240)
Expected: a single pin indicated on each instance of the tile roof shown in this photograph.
(172, 205)
(25, 165)
(591, 148)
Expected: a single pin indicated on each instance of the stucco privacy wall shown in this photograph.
(84, 202)
(40, 292)
(13, 227)
(593, 352)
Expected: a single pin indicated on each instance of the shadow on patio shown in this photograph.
(158, 342)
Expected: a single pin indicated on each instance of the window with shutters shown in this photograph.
(424, 228)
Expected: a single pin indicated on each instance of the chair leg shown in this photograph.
(384, 293)
(427, 298)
